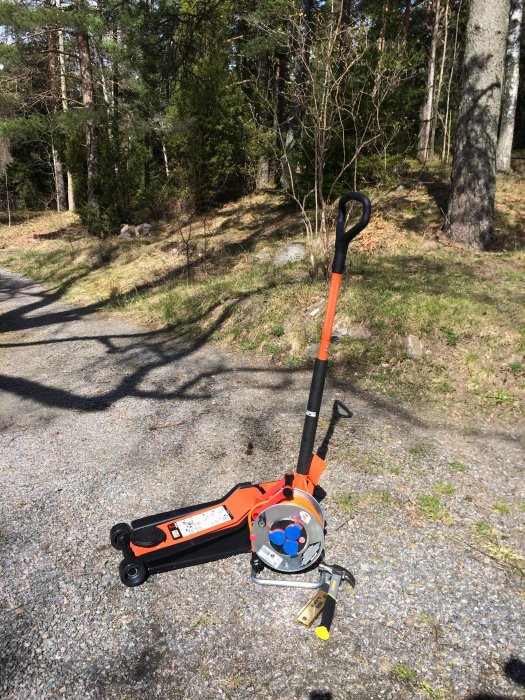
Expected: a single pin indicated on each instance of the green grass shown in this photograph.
(445, 489)
(349, 502)
(404, 674)
(483, 529)
(417, 451)
(451, 337)
(457, 466)
(501, 507)
(516, 367)
(432, 693)
(490, 541)
(354, 502)
(430, 507)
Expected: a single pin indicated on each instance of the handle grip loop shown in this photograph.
(342, 237)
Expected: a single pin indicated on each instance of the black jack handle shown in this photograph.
(342, 241)
(342, 237)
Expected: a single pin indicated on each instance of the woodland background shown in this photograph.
(118, 109)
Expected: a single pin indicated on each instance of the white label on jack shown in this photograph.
(305, 517)
(203, 521)
(270, 557)
(312, 414)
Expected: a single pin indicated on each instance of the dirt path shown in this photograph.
(102, 421)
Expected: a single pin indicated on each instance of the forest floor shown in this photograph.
(103, 420)
(466, 310)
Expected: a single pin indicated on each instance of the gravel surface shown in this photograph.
(102, 421)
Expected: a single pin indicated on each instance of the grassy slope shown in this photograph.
(466, 307)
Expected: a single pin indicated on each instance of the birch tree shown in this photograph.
(510, 88)
(427, 108)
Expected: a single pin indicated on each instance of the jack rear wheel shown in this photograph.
(132, 573)
(117, 534)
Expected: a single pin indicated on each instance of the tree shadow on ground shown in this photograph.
(149, 350)
(514, 670)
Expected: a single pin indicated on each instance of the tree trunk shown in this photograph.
(263, 174)
(473, 185)
(406, 21)
(445, 152)
(301, 62)
(86, 80)
(281, 170)
(382, 31)
(427, 108)
(65, 105)
(346, 12)
(510, 88)
(437, 95)
(58, 170)
(58, 175)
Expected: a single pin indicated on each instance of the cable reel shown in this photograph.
(289, 536)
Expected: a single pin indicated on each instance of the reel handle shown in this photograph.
(327, 617)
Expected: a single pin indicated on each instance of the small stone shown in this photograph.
(127, 228)
(358, 332)
(315, 311)
(293, 252)
(414, 347)
(143, 230)
(312, 350)
(339, 334)
(262, 257)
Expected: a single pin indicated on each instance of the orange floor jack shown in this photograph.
(280, 522)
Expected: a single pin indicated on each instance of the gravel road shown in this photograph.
(102, 420)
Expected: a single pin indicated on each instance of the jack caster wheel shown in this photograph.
(132, 573)
(117, 533)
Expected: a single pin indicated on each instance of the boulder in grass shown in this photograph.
(124, 236)
(143, 229)
(293, 252)
(127, 231)
(414, 347)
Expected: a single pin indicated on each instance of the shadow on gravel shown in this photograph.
(514, 670)
(150, 350)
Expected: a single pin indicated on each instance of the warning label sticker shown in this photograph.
(310, 553)
(271, 558)
(203, 521)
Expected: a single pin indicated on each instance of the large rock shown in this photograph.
(293, 252)
(124, 236)
(143, 229)
(414, 347)
(127, 229)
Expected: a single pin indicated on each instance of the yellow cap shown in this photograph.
(322, 632)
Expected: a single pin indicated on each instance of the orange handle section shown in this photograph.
(333, 294)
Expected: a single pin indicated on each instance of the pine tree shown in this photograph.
(473, 184)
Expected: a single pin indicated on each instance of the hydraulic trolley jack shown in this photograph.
(280, 522)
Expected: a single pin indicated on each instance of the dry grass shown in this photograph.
(466, 307)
